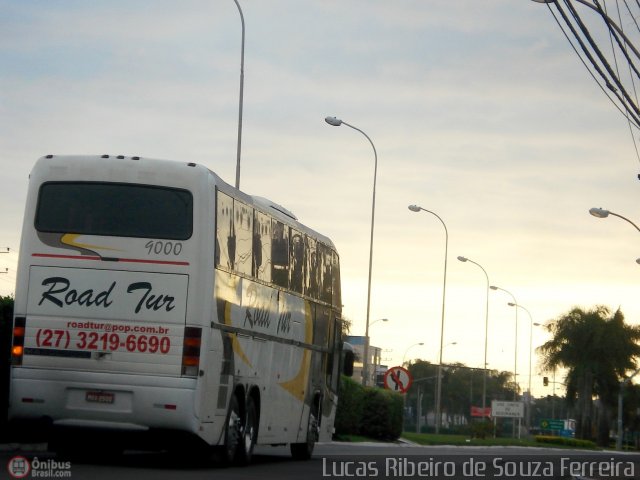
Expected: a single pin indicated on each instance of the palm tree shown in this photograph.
(597, 349)
(345, 327)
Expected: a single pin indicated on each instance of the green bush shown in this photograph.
(382, 414)
(369, 411)
(350, 405)
(565, 441)
(482, 429)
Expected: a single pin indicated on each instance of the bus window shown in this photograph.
(296, 261)
(335, 281)
(311, 270)
(262, 247)
(279, 254)
(321, 325)
(114, 209)
(243, 222)
(325, 267)
(225, 232)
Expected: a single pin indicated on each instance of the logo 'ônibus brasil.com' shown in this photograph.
(20, 467)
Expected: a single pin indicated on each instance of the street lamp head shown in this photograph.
(414, 208)
(336, 122)
(462, 259)
(599, 212)
(379, 320)
(493, 287)
(511, 304)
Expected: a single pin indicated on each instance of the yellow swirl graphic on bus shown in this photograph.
(296, 386)
(71, 240)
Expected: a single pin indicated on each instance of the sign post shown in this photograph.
(513, 410)
(552, 424)
(507, 409)
(398, 379)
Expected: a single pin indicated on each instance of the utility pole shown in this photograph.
(623, 384)
(5, 250)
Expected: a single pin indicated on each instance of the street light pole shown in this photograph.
(336, 122)
(416, 208)
(531, 324)
(602, 213)
(515, 356)
(407, 350)
(241, 98)
(379, 320)
(419, 402)
(376, 357)
(450, 343)
(515, 363)
(486, 335)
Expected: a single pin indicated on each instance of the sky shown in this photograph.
(479, 111)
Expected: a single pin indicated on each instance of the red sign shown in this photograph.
(398, 379)
(477, 412)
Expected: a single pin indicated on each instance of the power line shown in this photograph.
(575, 49)
(621, 92)
(633, 84)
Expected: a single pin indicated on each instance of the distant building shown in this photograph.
(380, 371)
(375, 355)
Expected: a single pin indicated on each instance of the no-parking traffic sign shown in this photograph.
(398, 379)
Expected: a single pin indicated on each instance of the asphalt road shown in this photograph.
(337, 460)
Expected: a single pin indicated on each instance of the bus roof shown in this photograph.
(135, 169)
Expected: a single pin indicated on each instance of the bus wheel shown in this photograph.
(249, 433)
(303, 451)
(232, 432)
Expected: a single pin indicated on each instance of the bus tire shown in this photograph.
(249, 433)
(303, 451)
(232, 432)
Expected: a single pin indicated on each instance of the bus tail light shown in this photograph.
(191, 351)
(17, 348)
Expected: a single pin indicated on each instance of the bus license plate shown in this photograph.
(100, 397)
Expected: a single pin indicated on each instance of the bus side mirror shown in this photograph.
(348, 357)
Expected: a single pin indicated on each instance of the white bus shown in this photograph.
(155, 305)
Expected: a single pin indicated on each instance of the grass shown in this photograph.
(464, 440)
(450, 439)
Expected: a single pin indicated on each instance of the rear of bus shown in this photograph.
(102, 338)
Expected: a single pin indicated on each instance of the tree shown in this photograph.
(597, 349)
(345, 327)
(461, 388)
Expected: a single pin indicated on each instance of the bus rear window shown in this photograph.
(115, 209)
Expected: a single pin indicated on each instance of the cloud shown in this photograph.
(479, 111)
